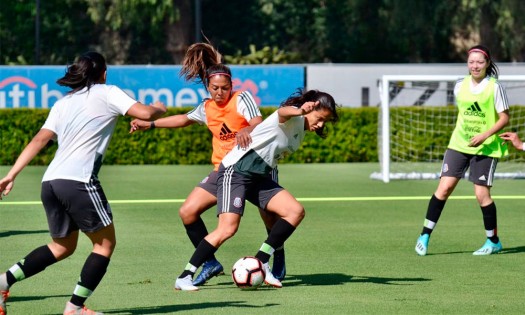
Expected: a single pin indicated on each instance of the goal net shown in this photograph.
(417, 117)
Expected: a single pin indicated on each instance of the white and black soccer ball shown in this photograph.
(248, 273)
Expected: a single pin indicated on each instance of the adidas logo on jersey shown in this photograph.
(226, 133)
(474, 110)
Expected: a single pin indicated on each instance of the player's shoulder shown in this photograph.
(460, 80)
(245, 97)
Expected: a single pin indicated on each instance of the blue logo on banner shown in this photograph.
(35, 86)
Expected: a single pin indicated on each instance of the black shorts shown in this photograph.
(209, 183)
(481, 167)
(235, 188)
(72, 205)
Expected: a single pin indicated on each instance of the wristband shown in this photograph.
(523, 146)
(152, 125)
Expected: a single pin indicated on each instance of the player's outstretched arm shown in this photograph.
(145, 112)
(175, 121)
(30, 151)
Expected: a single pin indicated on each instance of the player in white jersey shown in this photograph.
(82, 123)
(230, 116)
(244, 175)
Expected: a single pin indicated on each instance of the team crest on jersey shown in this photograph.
(445, 168)
(237, 202)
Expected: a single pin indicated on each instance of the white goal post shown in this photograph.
(426, 88)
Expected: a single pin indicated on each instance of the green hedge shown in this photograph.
(352, 139)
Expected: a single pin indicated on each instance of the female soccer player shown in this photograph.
(483, 111)
(230, 116)
(82, 123)
(244, 174)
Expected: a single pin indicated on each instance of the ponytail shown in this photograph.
(85, 72)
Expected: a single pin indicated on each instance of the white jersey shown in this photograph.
(271, 140)
(83, 123)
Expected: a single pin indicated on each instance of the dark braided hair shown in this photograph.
(85, 72)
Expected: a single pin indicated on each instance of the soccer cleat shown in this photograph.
(270, 279)
(279, 266)
(72, 309)
(3, 298)
(422, 244)
(210, 269)
(185, 284)
(489, 248)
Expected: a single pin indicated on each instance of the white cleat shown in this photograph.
(185, 284)
(270, 279)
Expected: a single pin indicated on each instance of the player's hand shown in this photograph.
(159, 105)
(513, 138)
(6, 184)
(308, 107)
(477, 140)
(139, 124)
(243, 138)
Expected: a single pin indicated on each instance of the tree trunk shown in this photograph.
(178, 33)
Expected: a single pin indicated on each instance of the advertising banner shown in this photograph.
(35, 86)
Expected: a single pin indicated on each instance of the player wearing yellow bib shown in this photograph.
(483, 111)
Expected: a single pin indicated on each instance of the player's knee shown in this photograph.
(187, 214)
(297, 213)
(62, 251)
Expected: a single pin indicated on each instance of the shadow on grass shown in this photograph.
(168, 309)
(509, 250)
(513, 250)
(339, 278)
(18, 298)
(13, 233)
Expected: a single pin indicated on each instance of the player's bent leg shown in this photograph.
(197, 202)
(287, 207)
(227, 227)
(65, 246)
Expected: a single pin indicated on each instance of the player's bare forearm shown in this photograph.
(288, 112)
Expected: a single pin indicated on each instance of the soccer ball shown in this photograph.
(248, 273)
